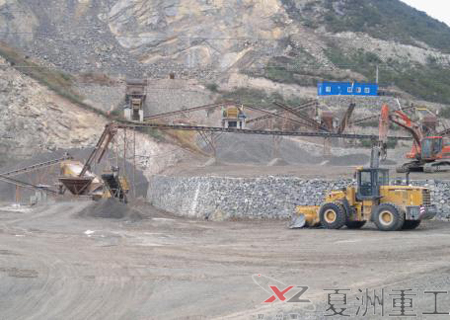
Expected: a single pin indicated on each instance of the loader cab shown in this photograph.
(431, 147)
(369, 181)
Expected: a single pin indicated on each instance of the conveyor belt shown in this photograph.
(174, 113)
(35, 167)
(26, 185)
(131, 124)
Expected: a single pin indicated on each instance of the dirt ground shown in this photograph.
(59, 264)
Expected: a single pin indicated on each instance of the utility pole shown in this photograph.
(378, 74)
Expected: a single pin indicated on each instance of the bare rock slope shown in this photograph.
(153, 37)
(34, 119)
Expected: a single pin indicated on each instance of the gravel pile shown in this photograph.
(256, 149)
(110, 209)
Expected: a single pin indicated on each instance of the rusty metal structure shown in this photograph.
(346, 119)
(36, 166)
(7, 177)
(310, 122)
(207, 107)
(79, 179)
(163, 126)
(84, 182)
(327, 120)
(308, 105)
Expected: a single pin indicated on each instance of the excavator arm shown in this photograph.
(402, 120)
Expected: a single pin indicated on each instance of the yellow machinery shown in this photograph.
(390, 207)
(110, 184)
(79, 180)
(88, 184)
(233, 117)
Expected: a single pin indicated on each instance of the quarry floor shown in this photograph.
(56, 264)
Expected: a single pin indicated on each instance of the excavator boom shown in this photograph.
(402, 120)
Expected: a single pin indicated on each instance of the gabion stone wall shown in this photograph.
(256, 198)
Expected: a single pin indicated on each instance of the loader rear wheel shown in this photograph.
(411, 224)
(332, 216)
(389, 217)
(355, 224)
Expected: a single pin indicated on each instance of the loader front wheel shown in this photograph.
(332, 216)
(389, 217)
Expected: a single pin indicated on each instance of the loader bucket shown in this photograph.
(297, 222)
(305, 217)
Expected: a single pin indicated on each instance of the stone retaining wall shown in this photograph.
(255, 198)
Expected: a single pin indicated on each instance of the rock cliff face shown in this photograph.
(197, 33)
(34, 119)
(154, 37)
(120, 35)
(279, 46)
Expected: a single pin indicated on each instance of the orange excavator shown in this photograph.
(429, 152)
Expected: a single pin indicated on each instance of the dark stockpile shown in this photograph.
(110, 209)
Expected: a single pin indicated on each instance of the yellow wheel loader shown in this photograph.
(390, 207)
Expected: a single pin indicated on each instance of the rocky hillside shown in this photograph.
(285, 41)
(34, 119)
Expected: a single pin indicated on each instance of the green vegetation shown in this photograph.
(295, 70)
(57, 81)
(391, 144)
(387, 20)
(259, 98)
(213, 87)
(445, 113)
(375, 124)
(430, 82)
(384, 19)
(152, 132)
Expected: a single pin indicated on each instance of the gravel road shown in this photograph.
(58, 264)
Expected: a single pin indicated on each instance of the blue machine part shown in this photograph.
(347, 89)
